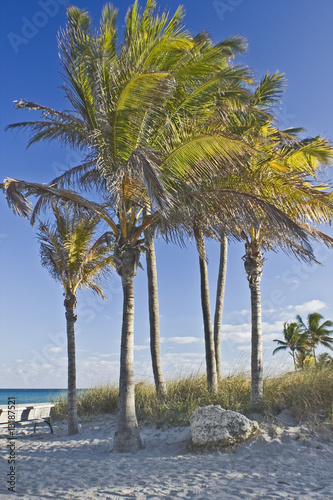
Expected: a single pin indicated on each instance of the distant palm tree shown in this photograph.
(294, 340)
(72, 256)
(324, 360)
(315, 332)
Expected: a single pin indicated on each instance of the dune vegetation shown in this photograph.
(307, 394)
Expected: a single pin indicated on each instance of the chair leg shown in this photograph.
(49, 421)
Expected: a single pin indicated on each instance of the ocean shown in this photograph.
(24, 396)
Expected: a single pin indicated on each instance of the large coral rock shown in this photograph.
(213, 426)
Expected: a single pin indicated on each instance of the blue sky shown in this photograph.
(293, 37)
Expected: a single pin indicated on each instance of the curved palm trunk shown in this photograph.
(209, 336)
(127, 435)
(70, 304)
(154, 321)
(253, 263)
(219, 303)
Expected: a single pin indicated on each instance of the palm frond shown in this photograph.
(18, 191)
(269, 90)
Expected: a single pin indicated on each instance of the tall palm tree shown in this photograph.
(238, 122)
(294, 340)
(72, 256)
(265, 237)
(134, 112)
(316, 333)
(282, 170)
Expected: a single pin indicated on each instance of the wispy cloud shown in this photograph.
(141, 347)
(183, 340)
(237, 333)
(54, 350)
(308, 307)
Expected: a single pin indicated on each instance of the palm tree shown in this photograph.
(316, 333)
(294, 340)
(136, 111)
(282, 170)
(324, 360)
(70, 254)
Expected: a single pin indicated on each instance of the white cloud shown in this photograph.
(241, 334)
(140, 347)
(243, 312)
(185, 340)
(54, 350)
(178, 364)
(288, 313)
(308, 307)
(102, 355)
(234, 315)
(237, 333)
(271, 328)
(181, 340)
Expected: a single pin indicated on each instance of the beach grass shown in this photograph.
(307, 394)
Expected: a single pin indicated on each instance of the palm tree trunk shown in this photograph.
(70, 304)
(209, 336)
(127, 435)
(256, 340)
(253, 263)
(294, 360)
(154, 320)
(219, 303)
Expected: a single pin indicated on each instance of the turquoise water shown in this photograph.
(24, 396)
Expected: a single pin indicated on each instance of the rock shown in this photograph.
(213, 426)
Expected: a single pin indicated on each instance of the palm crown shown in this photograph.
(316, 332)
(71, 254)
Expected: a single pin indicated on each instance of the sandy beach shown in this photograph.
(284, 460)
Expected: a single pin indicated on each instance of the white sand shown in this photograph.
(283, 461)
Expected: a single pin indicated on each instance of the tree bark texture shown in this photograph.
(220, 302)
(127, 435)
(70, 304)
(253, 263)
(154, 320)
(208, 329)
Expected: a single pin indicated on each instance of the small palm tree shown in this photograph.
(70, 254)
(324, 360)
(294, 340)
(315, 332)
